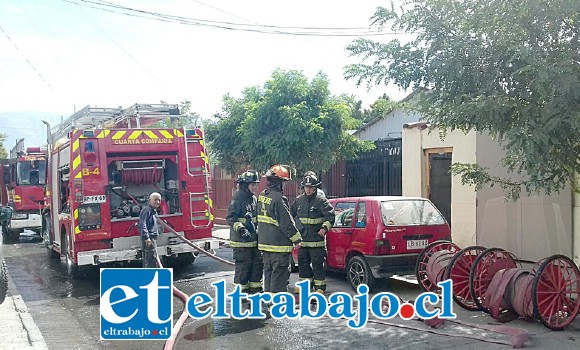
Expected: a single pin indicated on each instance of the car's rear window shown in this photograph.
(410, 212)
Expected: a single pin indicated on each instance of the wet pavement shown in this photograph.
(67, 314)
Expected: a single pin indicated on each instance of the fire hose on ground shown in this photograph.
(178, 293)
(492, 281)
(437, 262)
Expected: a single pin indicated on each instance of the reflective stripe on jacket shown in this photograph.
(242, 203)
(314, 213)
(276, 230)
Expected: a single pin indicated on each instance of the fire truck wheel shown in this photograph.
(179, 261)
(3, 281)
(51, 252)
(46, 228)
(72, 269)
(10, 235)
(185, 259)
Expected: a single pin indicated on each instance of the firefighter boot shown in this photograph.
(297, 289)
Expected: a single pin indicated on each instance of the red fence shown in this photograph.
(333, 184)
(223, 190)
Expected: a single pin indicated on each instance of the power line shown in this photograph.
(120, 47)
(25, 58)
(41, 36)
(257, 28)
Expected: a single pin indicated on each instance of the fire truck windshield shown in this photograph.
(31, 173)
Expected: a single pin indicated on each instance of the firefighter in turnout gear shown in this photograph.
(243, 234)
(277, 231)
(314, 216)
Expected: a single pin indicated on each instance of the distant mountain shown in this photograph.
(27, 125)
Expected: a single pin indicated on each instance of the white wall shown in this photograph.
(390, 126)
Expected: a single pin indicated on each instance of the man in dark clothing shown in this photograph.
(277, 232)
(149, 230)
(314, 216)
(242, 219)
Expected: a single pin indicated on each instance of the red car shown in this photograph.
(377, 237)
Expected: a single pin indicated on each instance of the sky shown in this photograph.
(57, 56)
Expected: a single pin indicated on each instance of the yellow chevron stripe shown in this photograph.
(178, 133)
(76, 214)
(118, 135)
(204, 157)
(201, 143)
(79, 175)
(77, 230)
(151, 134)
(76, 145)
(103, 134)
(76, 162)
(166, 134)
(135, 134)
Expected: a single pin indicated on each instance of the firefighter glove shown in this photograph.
(245, 234)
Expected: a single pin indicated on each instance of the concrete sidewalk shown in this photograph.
(17, 328)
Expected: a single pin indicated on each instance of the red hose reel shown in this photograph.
(141, 176)
(493, 281)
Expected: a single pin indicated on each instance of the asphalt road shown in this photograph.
(67, 313)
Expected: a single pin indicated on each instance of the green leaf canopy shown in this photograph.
(508, 68)
(290, 120)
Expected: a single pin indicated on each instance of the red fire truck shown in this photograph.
(103, 165)
(23, 180)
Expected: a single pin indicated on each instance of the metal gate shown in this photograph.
(378, 172)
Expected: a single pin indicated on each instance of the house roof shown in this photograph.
(416, 125)
(375, 120)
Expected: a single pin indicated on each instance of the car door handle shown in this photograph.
(348, 232)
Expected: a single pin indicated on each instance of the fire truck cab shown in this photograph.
(103, 165)
(23, 181)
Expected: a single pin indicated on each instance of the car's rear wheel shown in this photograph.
(358, 272)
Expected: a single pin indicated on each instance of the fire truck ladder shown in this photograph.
(198, 171)
(86, 118)
(136, 116)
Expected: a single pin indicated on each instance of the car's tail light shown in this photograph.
(382, 247)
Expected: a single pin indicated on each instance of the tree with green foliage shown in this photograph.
(3, 152)
(378, 109)
(507, 68)
(187, 119)
(289, 120)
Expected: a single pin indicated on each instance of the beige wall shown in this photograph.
(463, 198)
(533, 227)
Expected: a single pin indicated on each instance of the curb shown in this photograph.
(35, 337)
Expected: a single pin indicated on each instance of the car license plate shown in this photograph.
(417, 243)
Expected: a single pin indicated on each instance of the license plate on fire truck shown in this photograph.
(94, 199)
(417, 243)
